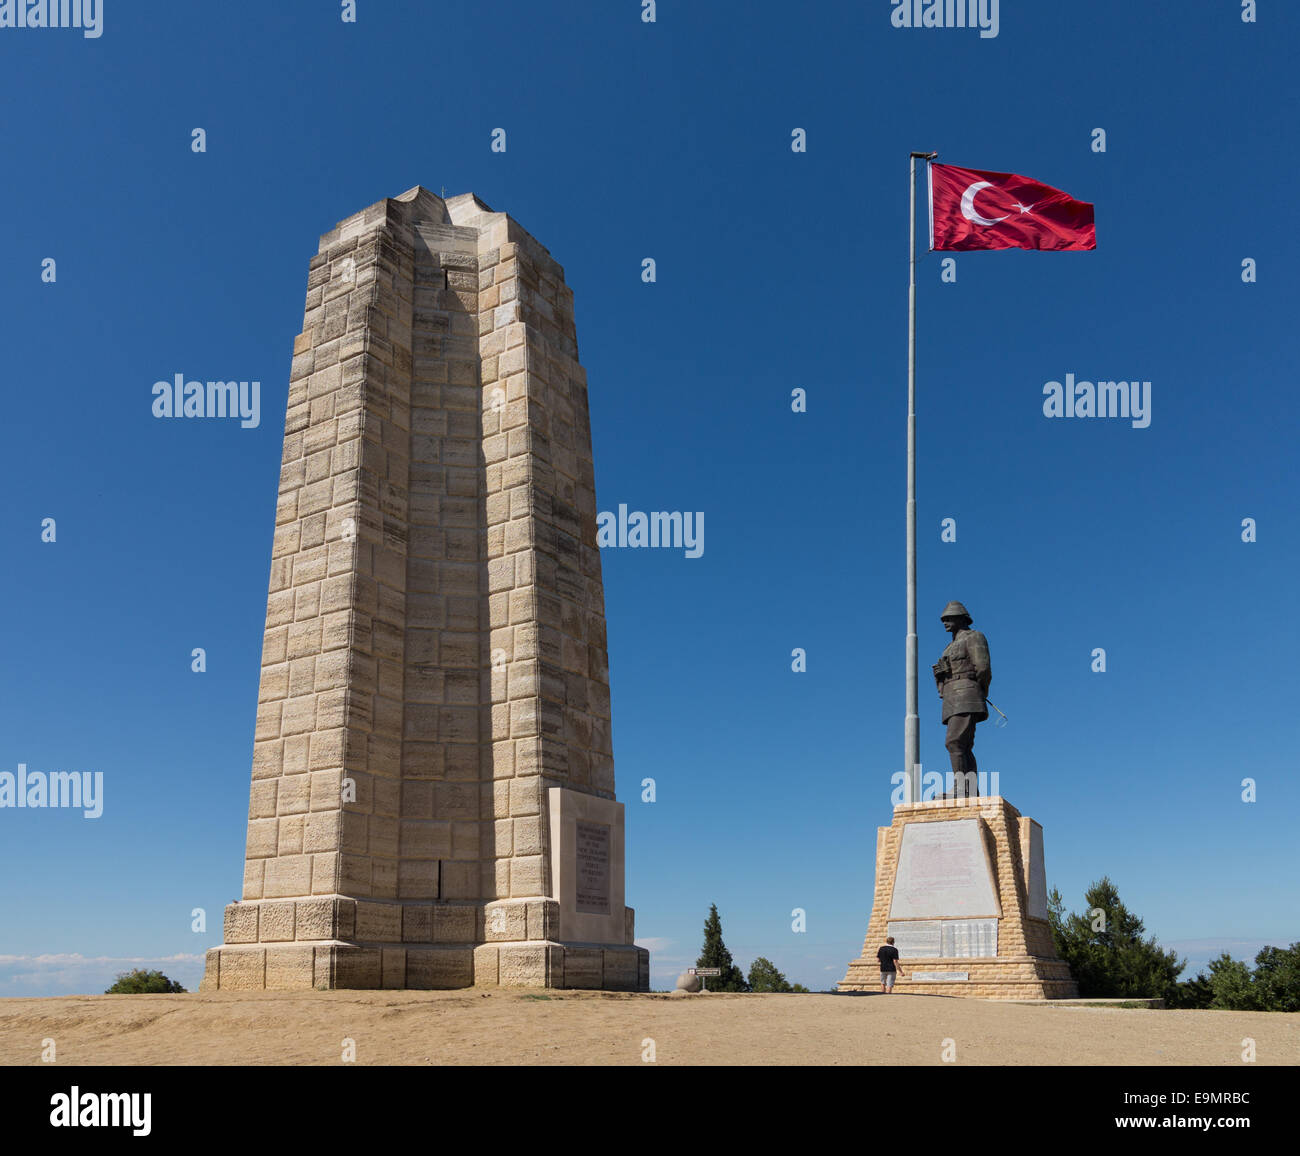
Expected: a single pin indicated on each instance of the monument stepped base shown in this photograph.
(329, 966)
(1023, 977)
(961, 885)
(332, 941)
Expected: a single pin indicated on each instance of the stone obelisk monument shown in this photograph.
(432, 798)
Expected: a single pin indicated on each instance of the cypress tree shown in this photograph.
(715, 954)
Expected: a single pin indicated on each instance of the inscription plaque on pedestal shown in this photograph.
(593, 868)
(919, 939)
(940, 976)
(945, 938)
(943, 870)
(587, 866)
(969, 937)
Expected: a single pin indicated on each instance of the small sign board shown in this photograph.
(704, 971)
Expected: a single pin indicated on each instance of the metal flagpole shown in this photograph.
(911, 725)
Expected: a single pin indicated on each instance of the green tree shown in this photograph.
(1232, 984)
(765, 976)
(715, 954)
(1106, 951)
(1193, 993)
(141, 982)
(1055, 913)
(1274, 985)
(1277, 978)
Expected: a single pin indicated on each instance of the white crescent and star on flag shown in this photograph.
(982, 209)
(969, 211)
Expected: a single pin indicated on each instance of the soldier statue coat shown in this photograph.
(962, 675)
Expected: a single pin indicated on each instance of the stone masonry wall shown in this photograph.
(435, 655)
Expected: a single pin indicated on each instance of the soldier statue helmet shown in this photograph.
(962, 675)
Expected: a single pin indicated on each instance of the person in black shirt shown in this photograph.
(888, 956)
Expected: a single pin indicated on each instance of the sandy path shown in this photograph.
(510, 1026)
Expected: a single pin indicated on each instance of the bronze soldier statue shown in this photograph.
(963, 675)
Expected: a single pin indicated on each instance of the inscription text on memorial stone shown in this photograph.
(944, 938)
(593, 868)
(943, 872)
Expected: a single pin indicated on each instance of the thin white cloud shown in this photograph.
(1216, 945)
(77, 958)
(71, 973)
(1200, 952)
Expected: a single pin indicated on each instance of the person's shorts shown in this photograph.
(887, 978)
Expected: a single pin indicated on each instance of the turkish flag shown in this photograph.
(972, 209)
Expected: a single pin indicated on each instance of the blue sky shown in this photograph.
(776, 270)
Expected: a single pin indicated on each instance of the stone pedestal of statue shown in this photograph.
(961, 886)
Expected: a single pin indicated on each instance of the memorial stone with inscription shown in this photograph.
(593, 868)
(944, 869)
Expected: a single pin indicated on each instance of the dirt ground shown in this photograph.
(513, 1026)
